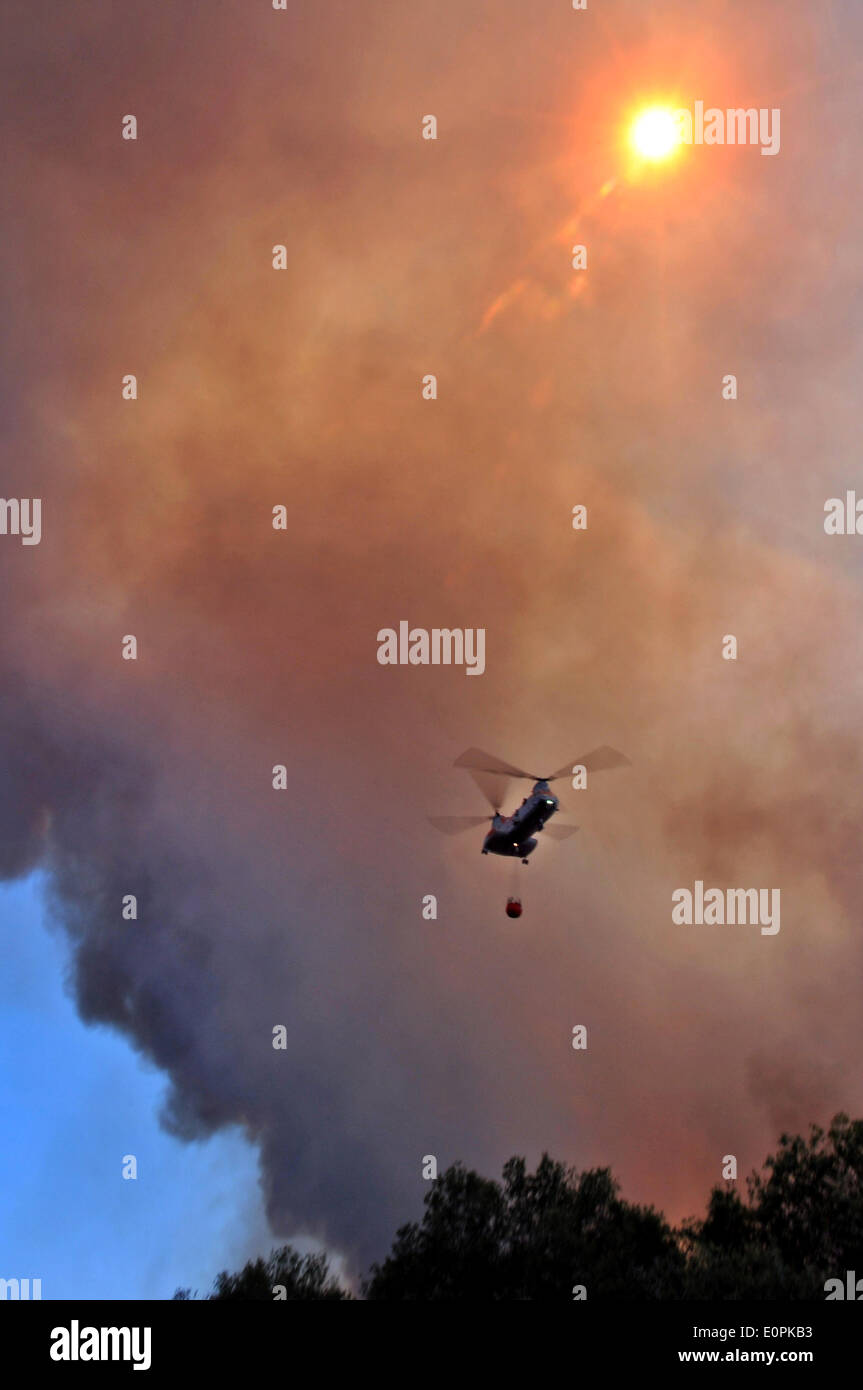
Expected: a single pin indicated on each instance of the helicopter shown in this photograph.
(514, 836)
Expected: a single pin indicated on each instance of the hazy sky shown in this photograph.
(258, 647)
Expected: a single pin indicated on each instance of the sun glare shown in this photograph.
(655, 133)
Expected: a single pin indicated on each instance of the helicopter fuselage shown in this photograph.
(513, 836)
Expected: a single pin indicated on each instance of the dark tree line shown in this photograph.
(542, 1235)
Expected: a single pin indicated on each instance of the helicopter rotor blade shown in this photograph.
(478, 761)
(493, 786)
(599, 760)
(455, 825)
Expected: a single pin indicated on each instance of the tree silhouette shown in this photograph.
(539, 1235)
(802, 1225)
(301, 1277)
(535, 1236)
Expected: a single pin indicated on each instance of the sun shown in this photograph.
(655, 133)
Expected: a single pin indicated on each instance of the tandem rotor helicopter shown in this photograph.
(514, 837)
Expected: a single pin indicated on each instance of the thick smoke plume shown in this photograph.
(257, 647)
